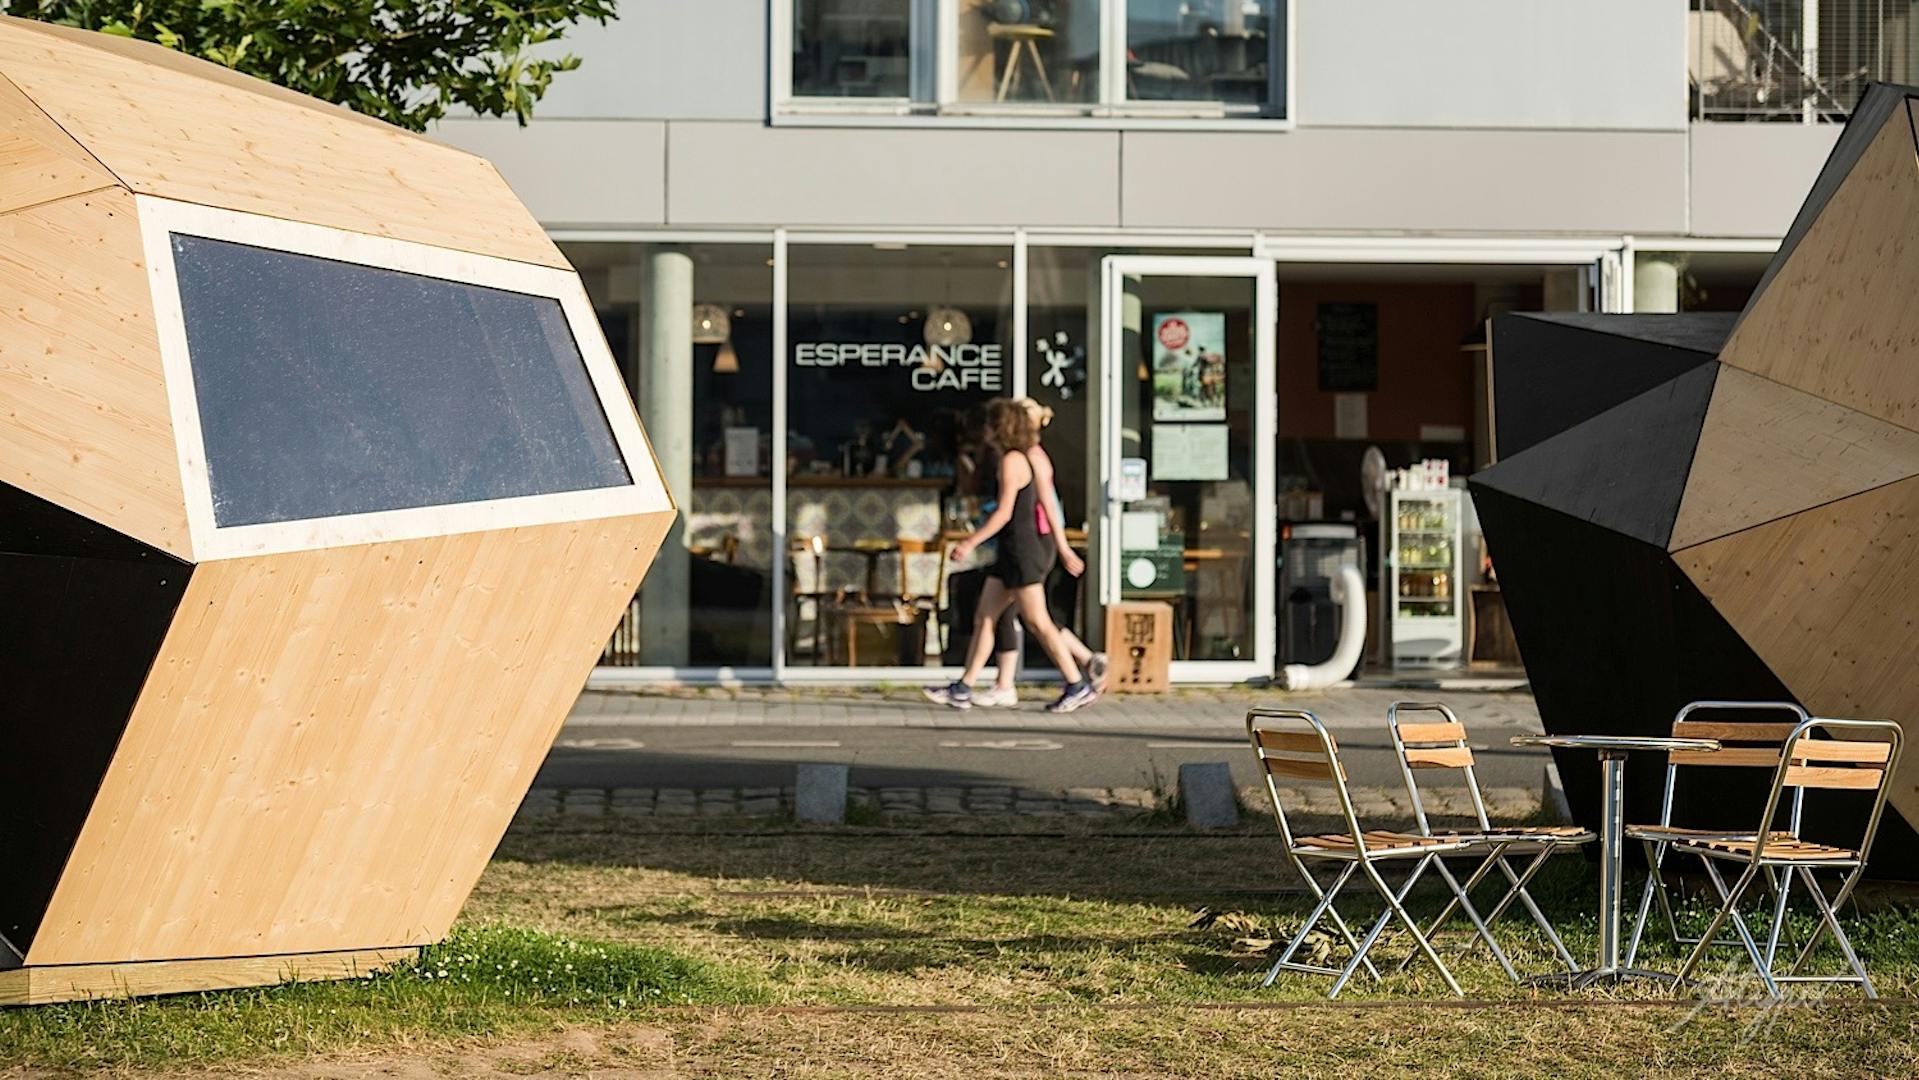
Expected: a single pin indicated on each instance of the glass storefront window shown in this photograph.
(1200, 50)
(893, 352)
(692, 326)
(852, 48)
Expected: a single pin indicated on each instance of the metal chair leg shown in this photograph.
(1452, 905)
(1339, 923)
(1399, 910)
(1839, 935)
(1819, 929)
(1479, 924)
(1525, 897)
(1319, 909)
(1782, 885)
(1729, 909)
(1645, 904)
(1718, 920)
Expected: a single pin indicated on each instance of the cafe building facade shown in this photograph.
(1232, 245)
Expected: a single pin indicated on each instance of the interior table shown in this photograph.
(1612, 750)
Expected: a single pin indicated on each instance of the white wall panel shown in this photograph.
(1492, 63)
(1749, 179)
(574, 172)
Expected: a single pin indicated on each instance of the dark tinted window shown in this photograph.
(330, 388)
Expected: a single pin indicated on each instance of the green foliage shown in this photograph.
(404, 61)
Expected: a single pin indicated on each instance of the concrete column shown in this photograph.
(1655, 283)
(666, 407)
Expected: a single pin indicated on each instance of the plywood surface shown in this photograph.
(95, 982)
(1768, 450)
(165, 129)
(1837, 320)
(86, 421)
(38, 162)
(332, 742)
(1828, 600)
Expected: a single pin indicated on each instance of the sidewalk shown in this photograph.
(902, 706)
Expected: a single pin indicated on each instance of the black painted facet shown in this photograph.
(1551, 372)
(30, 525)
(1624, 469)
(1616, 639)
(77, 638)
(328, 388)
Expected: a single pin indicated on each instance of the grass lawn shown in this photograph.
(1018, 947)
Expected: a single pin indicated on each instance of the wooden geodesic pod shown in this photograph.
(319, 495)
(1692, 507)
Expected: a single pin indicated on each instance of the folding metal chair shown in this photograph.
(1863, 758)
(1441, 744)
(1293, 744)
(1744, 744)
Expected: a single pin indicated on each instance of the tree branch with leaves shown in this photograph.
(407, 62)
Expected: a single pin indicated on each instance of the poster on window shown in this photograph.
(1189, 452)
(1189, 365)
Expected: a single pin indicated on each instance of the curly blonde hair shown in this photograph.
(1011, 425)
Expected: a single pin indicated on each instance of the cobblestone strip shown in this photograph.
(1502, 804)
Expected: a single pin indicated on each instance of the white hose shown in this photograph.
(1349, 592)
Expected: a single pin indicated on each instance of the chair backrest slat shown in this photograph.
(1832, 777)
(1432, 744)
(1291, 742)
(1439, 757)
(1296, 754)
(1440, 732)
(1870, 753)
(1748, 756)
(1733, 731)
(1298, 769)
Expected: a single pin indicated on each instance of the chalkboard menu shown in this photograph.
(1348, 347)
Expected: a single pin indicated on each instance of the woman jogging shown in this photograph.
(1025, 557)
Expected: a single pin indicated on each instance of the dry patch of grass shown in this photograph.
(1058, 948)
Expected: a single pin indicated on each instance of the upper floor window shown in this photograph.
(1789, 60)
(1036, 58)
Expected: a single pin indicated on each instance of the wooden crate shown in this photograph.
(1139, 635)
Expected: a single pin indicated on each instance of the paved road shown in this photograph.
(752, 739)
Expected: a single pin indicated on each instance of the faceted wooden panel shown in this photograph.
(1837, 318)
(1827, 597)
(39, 162)
(1768, 451)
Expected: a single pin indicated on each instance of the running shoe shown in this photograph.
(996, 698)
(1097, 666)
(954, 695)
(1077, 696)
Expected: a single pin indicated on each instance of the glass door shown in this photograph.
(1188, 416)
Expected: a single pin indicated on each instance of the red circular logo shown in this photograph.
(1174, 333)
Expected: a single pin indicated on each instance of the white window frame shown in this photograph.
(160, 219)
(934, 63)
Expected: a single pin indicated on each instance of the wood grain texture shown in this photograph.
(84, 418)
(1768, 450)
(100, 982)
(38, 162)
(1837, 319)
(175, 130)
(332, 742)
(1827, 598)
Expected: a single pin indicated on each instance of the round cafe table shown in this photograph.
(1613, 750)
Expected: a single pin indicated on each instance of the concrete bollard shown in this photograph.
(819, 794)
(1206, 788)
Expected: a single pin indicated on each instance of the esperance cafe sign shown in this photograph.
(929, 367)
